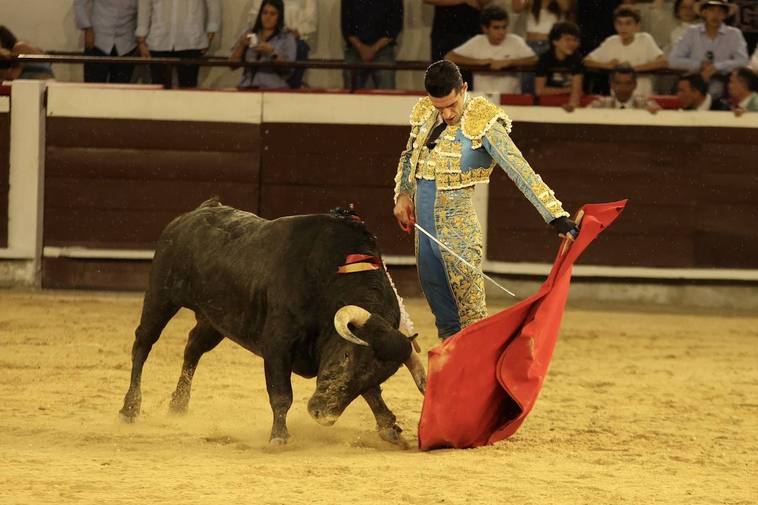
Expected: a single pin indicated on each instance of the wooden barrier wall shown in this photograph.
(113, 183)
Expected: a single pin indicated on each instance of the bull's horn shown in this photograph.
(417, 371)
(351, 314)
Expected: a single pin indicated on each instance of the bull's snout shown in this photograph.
(320, 413)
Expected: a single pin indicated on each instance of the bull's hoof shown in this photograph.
(128, 415)
(393, 435)
(177, 408)
(277, 441)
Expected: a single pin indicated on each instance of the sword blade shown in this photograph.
(459, 258)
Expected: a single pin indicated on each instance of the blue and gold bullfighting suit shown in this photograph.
(439, 176)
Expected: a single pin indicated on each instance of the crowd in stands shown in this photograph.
(569, 47)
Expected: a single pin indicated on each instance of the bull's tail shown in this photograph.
(213, 201)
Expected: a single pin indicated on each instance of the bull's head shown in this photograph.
(369, 354)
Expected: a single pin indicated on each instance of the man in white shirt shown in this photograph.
(623, 85)
(630, 47)
(300, 18)
(743, 84)
(176, 29)
(108, 27)
(496, 49)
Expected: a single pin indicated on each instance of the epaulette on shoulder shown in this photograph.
(479, 117)
(421, 111)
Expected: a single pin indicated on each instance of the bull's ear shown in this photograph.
(386, 341)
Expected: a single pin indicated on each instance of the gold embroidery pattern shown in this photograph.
(479, 117)
(458, 227)
(508, 156)
(421, 111)
(404, 181)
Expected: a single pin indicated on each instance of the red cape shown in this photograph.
(484, 380)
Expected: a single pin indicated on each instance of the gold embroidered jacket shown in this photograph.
(466, 153)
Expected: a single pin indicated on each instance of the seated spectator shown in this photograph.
(10, 47)
(300, 19)
(692, 91)
(454, 22)
(542, 15)
(108, 27)
(267, 40)
(743, 84)
(623, 83)
(753, 65)
(176, 30)
(712, 48)
(497, 49)
(559, 71)
(370, 29)
(628, 47)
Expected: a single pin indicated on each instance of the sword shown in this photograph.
(472, 267)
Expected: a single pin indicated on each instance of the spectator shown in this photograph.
(455, 22)
(753, 65)
(300, 19)
(623, 84)
(712, 49)
(108, 27)
(267, 40)
(629, 47)
(559, 71)
(743, 84)
(176, 30)
(541, 18)
(497, 49)
(10, 47)
(370, 29)
(692, 91)
(684, 12)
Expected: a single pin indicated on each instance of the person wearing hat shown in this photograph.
(712, 49)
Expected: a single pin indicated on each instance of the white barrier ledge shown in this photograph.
(138, 102)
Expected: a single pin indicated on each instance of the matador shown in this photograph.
(455, 142)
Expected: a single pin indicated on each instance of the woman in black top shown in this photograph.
(559, 70)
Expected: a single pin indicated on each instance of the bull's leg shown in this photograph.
(202, 338)
(155, 316)
(385, 419)
(278, 367)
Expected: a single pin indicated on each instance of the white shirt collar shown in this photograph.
(706, 105)
(743, 103)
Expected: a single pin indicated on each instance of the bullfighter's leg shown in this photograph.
(385, 419)
(202, 338)
(155, 316)
(431, 266)
(278, 368)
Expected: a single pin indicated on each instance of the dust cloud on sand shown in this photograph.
(638, 407)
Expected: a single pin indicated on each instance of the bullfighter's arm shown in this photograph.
(405, 183)
(499, 145)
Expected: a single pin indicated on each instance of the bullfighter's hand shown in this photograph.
(565, 227)
(405, 213)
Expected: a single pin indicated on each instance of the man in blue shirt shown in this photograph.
(108, 27)
(712, 48)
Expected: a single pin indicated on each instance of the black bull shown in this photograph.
(273, 287)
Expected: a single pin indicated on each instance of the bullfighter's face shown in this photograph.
(450, 107)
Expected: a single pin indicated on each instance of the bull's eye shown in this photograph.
(347, 356)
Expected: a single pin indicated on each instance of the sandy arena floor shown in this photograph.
(639, 407)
